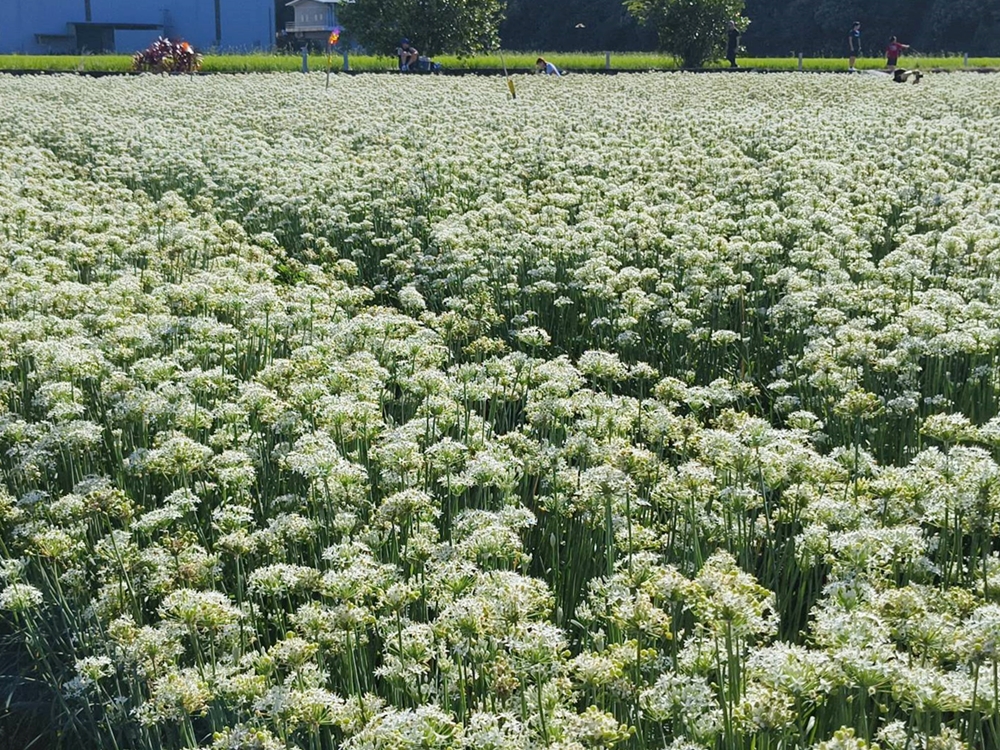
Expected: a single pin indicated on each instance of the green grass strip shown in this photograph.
(273, 63)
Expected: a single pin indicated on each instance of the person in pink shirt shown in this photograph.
(893, 51)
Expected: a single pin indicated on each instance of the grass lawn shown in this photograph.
(577, 61)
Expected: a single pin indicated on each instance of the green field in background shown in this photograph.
(266, 63)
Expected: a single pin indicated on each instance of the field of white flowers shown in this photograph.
(654, 411)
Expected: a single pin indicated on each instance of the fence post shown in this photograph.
(305, 59)
(800, 62)
(347, 62)
(966, 60)
(607, 61)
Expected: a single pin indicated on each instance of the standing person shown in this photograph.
(544, 66)
(892, 53)
(408, 56)
(854, 44)
(732, 43)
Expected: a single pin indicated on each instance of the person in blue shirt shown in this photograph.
(854, 44)
(544, 66)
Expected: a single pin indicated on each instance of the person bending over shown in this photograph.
(544, 66)
(902, 76)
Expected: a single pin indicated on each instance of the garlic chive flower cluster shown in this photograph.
(656, 411)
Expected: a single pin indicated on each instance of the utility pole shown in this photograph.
(218, 23)
(86, 11)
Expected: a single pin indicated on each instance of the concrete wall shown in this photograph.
(246, 24)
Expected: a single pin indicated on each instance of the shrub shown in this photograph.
(167, 56)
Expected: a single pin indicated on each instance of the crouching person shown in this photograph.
(408, 56)
(902, 76)
(544, 66)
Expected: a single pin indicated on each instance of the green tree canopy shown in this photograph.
(693, 31)
(570, 25)
(434, 26)
(779, 28)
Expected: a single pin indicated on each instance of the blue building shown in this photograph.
(124, 26)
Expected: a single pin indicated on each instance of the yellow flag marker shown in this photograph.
(510, 81)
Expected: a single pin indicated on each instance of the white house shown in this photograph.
(314, 19)
(76, 26)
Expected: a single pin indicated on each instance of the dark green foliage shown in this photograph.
(693, 31)
(931, 26)
(574, 25)
(434, 26)
(778, 27)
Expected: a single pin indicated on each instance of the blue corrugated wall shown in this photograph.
(245, 24)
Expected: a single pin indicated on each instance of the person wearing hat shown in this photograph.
(408, 56)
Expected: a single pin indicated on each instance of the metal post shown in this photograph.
(218, 24)
(305, 59)
(800, 62)
(966, 61)
(347, 62)
(607, 61)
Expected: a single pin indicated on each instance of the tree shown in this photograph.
(434, 26)
(693, 31)
(573, 25)
(780, 27)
